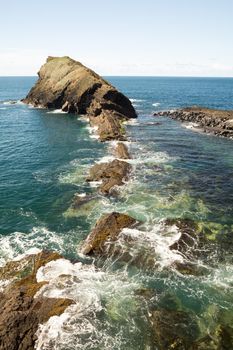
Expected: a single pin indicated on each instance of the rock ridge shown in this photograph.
(218, 122)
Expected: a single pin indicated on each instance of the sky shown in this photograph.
(119, 37)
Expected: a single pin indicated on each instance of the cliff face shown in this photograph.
(68, 85)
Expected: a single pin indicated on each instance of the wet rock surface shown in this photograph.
(107, 227)
(110, 174)
(218, 122)
(121, 151)
(20, 311)
(68, 85)
(173, 329)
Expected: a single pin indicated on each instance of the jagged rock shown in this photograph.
(111, 174)
(107, 227)
(121, 151)
(67, 84)
(20, 312)
(218, 122)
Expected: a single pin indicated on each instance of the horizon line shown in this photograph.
(133, 76)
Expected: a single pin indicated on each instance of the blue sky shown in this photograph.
(119, 37)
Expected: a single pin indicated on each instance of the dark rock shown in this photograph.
(20, 312)
(173, 329)
(111, 174)
(218, 122)
(67, 84)
(78, 202)
(107, 227)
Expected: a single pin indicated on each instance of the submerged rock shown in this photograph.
(110, 174)
(108, 227)
(218, 122)
(20, 311)
(173, 329)
(68, 85)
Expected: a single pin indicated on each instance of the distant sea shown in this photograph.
(178, 173)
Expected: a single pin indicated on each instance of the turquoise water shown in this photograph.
(177, 173)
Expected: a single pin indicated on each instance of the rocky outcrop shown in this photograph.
(218, 122)
(20, 311)
(121, 151)
(109, 174)
(68, 85)
(108, 227)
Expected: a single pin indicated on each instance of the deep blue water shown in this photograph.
(177, 172)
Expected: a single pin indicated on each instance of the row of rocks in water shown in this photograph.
(22, 309)
(66, 84)
(218, 122)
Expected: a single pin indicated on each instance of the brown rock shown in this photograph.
(67, 84)
(121, 151)
(20, 312)
(111, 174)
(107, 227)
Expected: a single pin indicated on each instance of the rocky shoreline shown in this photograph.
(213, 121)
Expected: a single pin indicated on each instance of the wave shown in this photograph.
(156, 104)
(152, 158)
(18, 243)
(57, 111)
(93, 131)
(135, 100)
(99, 297)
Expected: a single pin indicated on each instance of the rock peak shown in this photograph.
(68, 85)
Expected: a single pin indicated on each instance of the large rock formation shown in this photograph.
(218, 122)
(20, 311)
(68, 85)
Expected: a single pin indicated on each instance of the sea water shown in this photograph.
(177, 173)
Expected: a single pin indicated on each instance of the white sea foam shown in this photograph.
(152, 158)
(12, 246)
(3, 108)
(82, 195)
(92, 291)
(95, 183)
(11, 102)
(135, 100)
(93, 131)
(132, 121)
(105, 159)
(30, 251)
(190, 125)
(57, 111)
(83, 118)
(153, 243)
(221, 277)
(156, 104)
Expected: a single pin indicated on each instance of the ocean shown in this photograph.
(177, 173)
